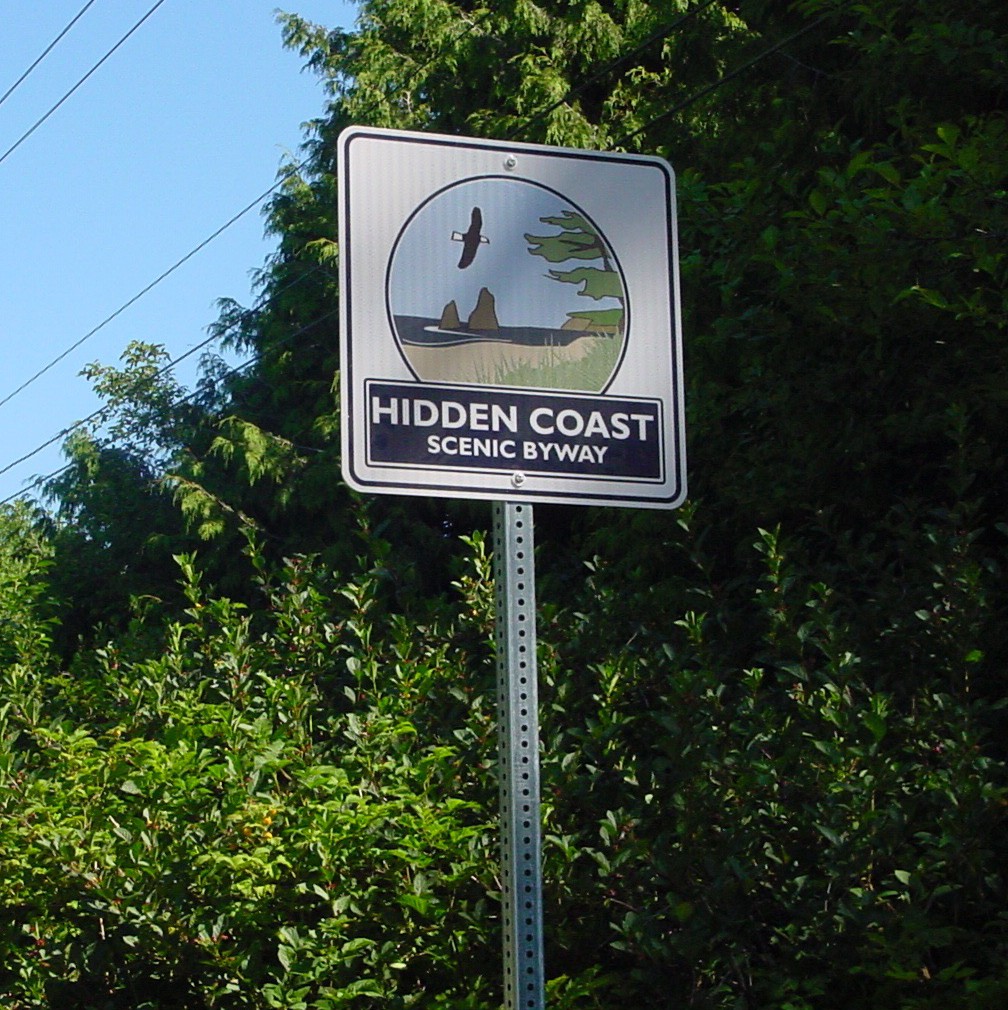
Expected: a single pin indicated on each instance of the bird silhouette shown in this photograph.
(471, 239)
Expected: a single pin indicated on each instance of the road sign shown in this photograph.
(510, 321)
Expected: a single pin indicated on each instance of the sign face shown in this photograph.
(510, 321)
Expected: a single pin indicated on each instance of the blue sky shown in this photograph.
(181, 128)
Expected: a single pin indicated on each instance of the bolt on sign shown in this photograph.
(509, 321)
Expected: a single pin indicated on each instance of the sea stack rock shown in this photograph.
(450, 317)
(484, 316)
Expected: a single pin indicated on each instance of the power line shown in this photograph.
(10, 150)
(232, 372)
(96, 415)
(148, 380)
(153, 284)
(46, 52)
(662, 33)
(287, 175)
(461, 35)
(738, 71)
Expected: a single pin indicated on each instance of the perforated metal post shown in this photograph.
(518, 734)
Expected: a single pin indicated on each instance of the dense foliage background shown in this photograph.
(246, 719)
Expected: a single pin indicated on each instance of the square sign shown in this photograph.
(510, 321)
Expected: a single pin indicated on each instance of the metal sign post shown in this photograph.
(518, 757)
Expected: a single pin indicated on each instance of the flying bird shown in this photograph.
(471, 239)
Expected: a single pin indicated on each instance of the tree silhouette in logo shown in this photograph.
(578, 240)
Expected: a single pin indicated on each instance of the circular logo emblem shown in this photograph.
(497, 281)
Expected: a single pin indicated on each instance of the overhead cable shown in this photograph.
(146, 380)
(738, 71)
(46, 52)
(153, 284)
(469, 28)
(230, 373)
(286, 175)
(662, 33)
(10, 150)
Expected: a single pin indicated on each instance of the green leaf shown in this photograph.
(876, 725)
(356, 945)
(888, 171)
(286, 956)
(829, 834)
(362, 987)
